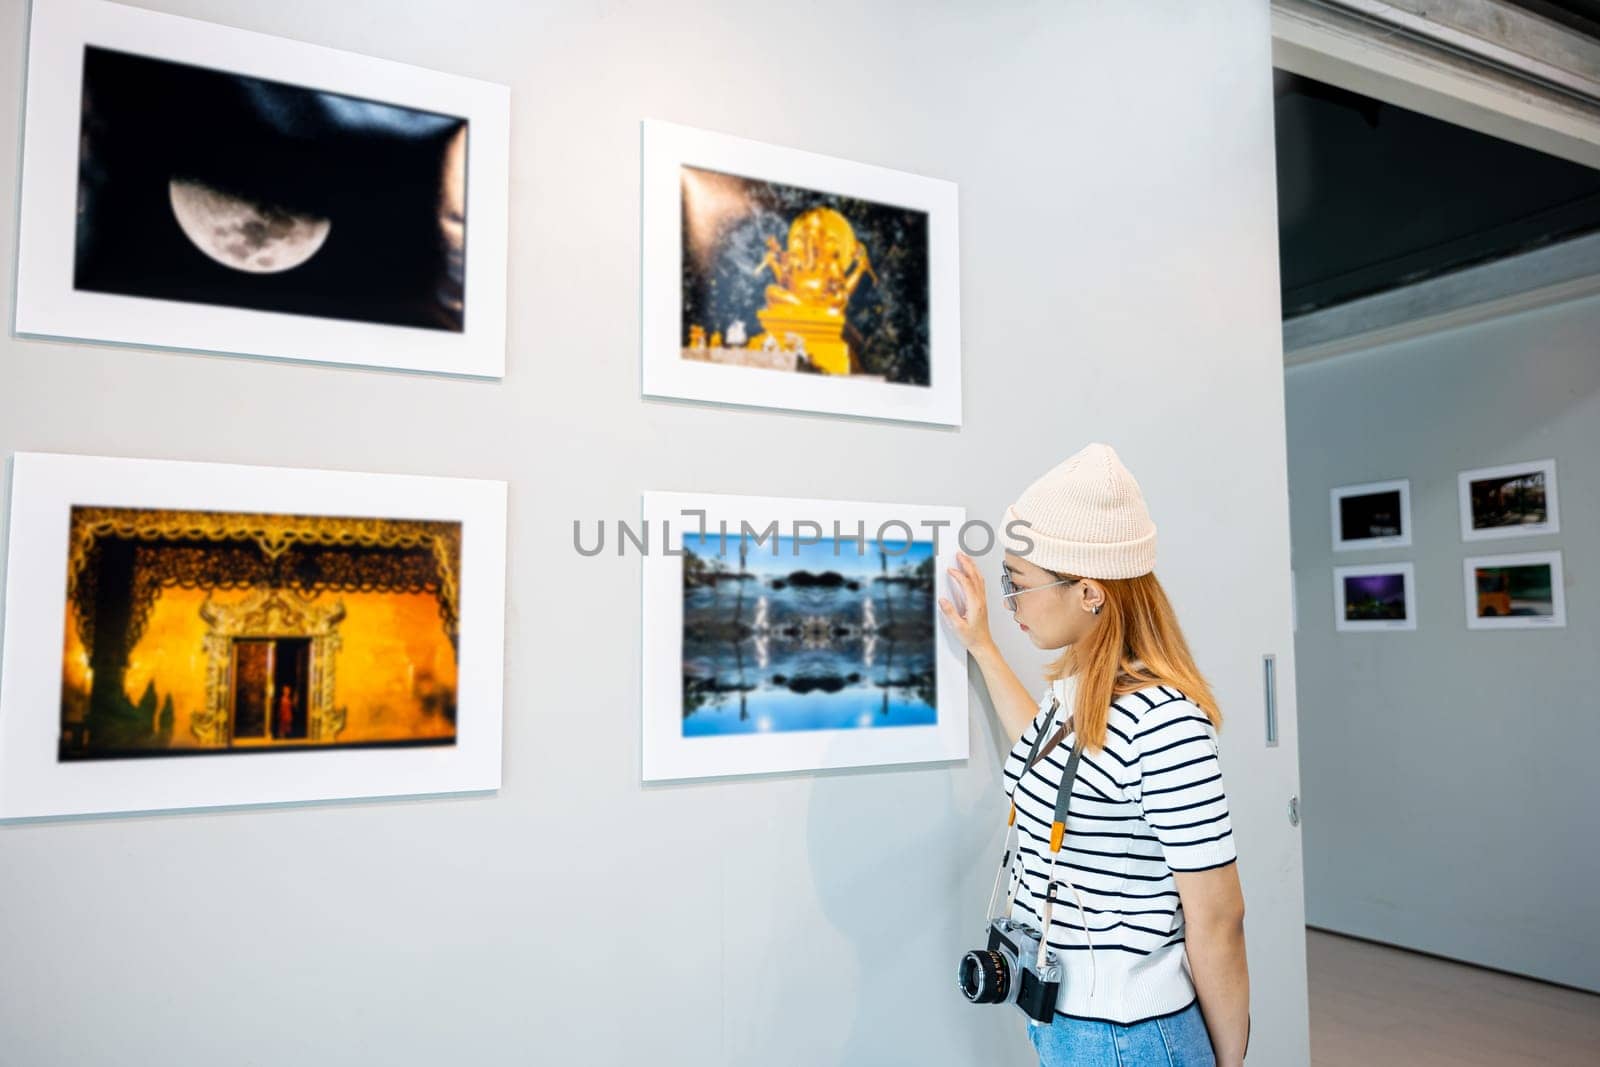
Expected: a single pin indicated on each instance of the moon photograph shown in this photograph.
(203, 186)
(244, 235)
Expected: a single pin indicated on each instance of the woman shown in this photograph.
(1151, 934)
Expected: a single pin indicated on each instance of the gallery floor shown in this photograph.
(1373, 1004)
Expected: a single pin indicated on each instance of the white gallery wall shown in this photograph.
(1450, 792)
(1119, 276)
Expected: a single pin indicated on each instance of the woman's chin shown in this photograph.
(1040, 642)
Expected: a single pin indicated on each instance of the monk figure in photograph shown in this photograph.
(285, 711)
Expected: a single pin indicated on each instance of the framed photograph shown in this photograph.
(1378, 596)
(1516, 500)
(191, 186)
(779, 278)
(1515, 592)
(188, 635)
(785, 635)
(1374, 515)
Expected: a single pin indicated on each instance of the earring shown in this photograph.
(1096, 608)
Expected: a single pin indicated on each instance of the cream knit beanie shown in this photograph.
(1086, 517)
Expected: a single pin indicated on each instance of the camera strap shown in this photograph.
(1058, 830)
(1058, 826)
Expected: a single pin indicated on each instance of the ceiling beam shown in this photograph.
(1566, 271)
(1481, 64)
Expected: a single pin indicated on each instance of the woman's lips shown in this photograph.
(1024, 627)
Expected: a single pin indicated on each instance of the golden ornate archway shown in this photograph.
(265, 615)
(263, 576)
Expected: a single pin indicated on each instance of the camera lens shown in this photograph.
(984, 977)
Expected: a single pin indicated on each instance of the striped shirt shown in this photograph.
(1150, 803)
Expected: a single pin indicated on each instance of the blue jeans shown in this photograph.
(1177, 1040)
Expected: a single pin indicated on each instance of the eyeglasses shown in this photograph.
(1010, 590)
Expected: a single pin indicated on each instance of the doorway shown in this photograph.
(1439, 231)
(271, 679)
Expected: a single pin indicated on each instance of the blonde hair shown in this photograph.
(1137, 643)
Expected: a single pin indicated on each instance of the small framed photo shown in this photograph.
(778, 278)
(1515, 500)
(197, 187)
(1374, 515)
(1378, 596)
(795, 635)
(1515, 592)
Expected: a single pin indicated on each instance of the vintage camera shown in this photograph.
(1008, 971)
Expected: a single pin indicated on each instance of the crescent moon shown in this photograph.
(245, 234)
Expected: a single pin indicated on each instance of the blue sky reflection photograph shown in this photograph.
(787, 636)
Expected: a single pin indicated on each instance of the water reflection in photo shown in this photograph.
(780, 636)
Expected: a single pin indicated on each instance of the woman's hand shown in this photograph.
(972, 629)
(1014, 705)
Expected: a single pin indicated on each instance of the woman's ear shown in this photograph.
(1094, 595)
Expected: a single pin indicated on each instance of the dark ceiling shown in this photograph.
(1372, 197)
(1580, 15)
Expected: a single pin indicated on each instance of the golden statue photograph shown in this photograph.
(811, 281)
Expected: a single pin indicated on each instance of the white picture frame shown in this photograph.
(668, 752)
(1343, 576)
(36, 781)
(1348, 498)
(50, 305)
(1471, 530)
(1483, 614)
(666, 148)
